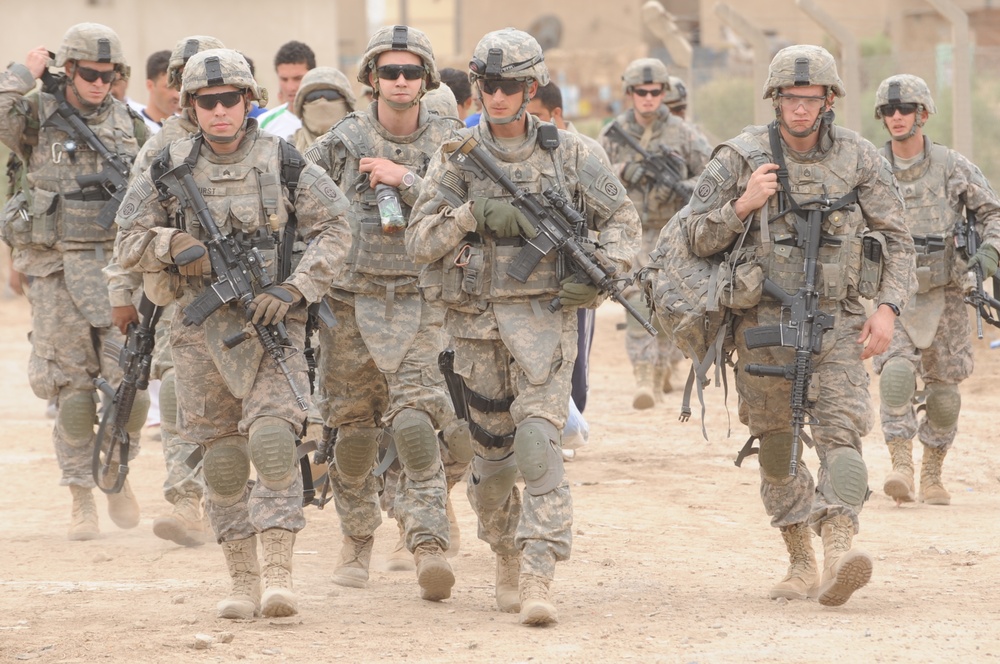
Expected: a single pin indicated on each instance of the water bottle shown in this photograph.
(390, 209)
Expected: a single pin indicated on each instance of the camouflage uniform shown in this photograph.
(653, 356)
(235, 402)
(841, 162)
(320, 114)
(932, 336)
(378, 365)
(510, 350)
(58, 243)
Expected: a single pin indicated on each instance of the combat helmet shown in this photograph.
(91, 41)
(399, 38)
(442, 102)
(219, 66)
(904, 89)
(677, 94)
(508, 54)
(183, 51)
(801, 65)
(645, 71)
(323, 78)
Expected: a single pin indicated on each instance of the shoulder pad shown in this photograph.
(353, 136)
(314, 180)
(600, 186)
(139, 128)
(139, 190)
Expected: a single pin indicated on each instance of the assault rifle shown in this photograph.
(666, 169)
(802, 322)
(236, 269)
(111, 182)
(986, 306)
(557, 229)
(135, 358)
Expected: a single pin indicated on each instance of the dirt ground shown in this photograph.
(672, 558)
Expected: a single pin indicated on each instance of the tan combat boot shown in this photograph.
(802, 580)
(184, 525)
(535, 606)
(243, 602)
(644, 388)
(899, 482)
(433, 572)
(401, 560)
(844, 570)
(123, 508)
(355, 556)
(279, 600)
(83, 522)
(507, 591)
(932, 491)
(454, 534)
(662, 381)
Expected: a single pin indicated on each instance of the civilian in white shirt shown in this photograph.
(291, 63)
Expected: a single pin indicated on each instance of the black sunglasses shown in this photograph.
(329, 95)
(227, 99)
(392, 72)
(889, 110)
(648, 93)
(91, 75)
(509, 86)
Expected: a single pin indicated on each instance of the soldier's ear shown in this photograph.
(533, 90)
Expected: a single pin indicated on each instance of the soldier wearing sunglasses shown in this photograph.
(645, 82)
(52, 227)
(932, 335)
(378, 367)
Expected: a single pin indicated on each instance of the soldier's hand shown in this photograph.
(501, 218)
(877, 331)
(189, 255)
(987, 259)
(37, 61)
(271, 306)
(763, 184)
(121, 317)
(382, 171)
(632, 173)
(575, 294)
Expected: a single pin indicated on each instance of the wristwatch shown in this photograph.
(892, 306)
(408, 180)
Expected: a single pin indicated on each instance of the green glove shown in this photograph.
(271, 306)
(633, 172)
(501, 218)
(575, 294)
(987, 258)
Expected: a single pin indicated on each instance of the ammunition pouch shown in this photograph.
(934, 259)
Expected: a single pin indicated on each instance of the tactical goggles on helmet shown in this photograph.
(329, 95)
(227, 99)
(649, 93)
(889, 110)
(792, 102)
(409, 72)
(509, 86)
(91, 75)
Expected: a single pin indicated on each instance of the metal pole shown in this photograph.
(763, 113)
(850, 61)
(661, 23)
(961, 84)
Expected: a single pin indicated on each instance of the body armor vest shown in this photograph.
(930, 218)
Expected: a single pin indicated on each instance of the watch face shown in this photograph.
(409, 179)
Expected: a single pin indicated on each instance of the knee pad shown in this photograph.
(168, 402)
(492, 481)
(897, 385)
(458, 439)
(848, 477)
(137, 418)
(943, 405)
(536, 450)
(776, 455)
(226, 469)
(272, 451)
(77, 415)
(416, 444)
(354, 452)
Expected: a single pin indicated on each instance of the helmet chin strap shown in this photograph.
(917, 124)
(798, 134)
(513, 118)
(223, 140)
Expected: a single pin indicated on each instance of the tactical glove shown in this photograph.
(271, 306)
(575, 294)
(501, 218)
(987, 258)
(633, 172)
(189, 255)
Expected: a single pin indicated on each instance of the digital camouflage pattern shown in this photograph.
(645, 71)
(183, 51)
(320, 115)
(905, 89)
(933, 331)
(507, 343)
(399, 38)
(90, 41)
(232, 70)
(840, 162)
(822, 70)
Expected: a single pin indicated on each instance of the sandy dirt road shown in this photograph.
(672, 559)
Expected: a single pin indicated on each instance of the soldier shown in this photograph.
(676, 96)
(931, 338)
(378, 365)
(515, 356)
(323, 99)
(651, 124)
(235, 402)
(823, 160)
(183, 486)
(52, 226)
